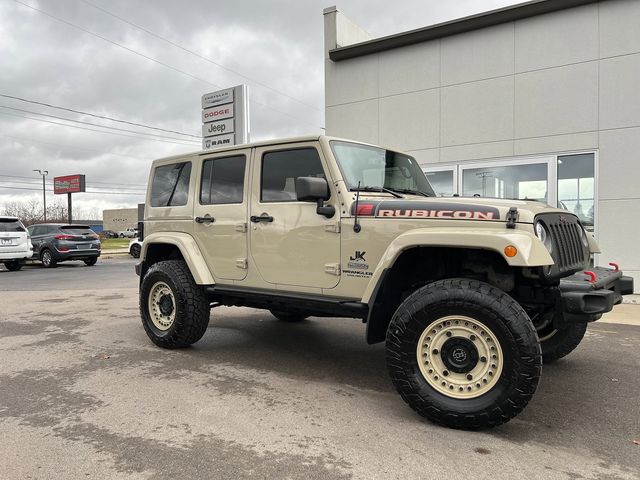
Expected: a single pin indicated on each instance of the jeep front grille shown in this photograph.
(568, 251)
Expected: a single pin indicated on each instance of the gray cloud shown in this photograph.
(277, 42)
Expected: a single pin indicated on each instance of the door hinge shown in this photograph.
(241, 227)
(242, 263)
(332, 268)
(332, 227)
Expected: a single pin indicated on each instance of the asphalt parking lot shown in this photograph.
(84, 394)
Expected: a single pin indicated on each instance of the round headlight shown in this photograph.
(543, 235)
(583, 237)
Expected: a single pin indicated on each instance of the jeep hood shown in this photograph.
(457, 208)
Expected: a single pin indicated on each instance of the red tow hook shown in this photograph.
(615, 266)
(592, 276)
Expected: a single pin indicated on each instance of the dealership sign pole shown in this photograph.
(69, 184)
(225, 117)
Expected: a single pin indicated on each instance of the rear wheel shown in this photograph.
(463, 354)
(290, 317)
(134, 251)
(90, 262)
(47, 259)
(174, 309)
(560, 342)
(13, 266)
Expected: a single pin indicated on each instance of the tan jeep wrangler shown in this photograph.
(471, 295)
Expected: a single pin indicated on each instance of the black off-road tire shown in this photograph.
(506, 321)
(191, 305)
(134, 251)
(46, 257)
(90, 262)
(13, 266)
(562, 342)
(290, 317)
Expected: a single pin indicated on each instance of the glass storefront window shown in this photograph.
(442, 182)
(525, 182)
(576, 186)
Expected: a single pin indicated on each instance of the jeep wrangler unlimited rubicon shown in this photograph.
(471, 295)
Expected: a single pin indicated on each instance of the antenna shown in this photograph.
(356, 225)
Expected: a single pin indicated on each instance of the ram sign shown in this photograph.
(68, 184)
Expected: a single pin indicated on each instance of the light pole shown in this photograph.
(44, 173)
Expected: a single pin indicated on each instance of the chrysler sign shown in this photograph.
(225, 117)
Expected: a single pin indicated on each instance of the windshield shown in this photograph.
(378, 168)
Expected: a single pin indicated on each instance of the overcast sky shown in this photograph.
(277, 43)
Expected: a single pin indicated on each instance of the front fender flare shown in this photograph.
(190, 252)
(531, 251)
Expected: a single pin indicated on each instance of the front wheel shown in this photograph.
(13, 266)
(174, 309)
(464, 354)
(134, 251)
(560, 342)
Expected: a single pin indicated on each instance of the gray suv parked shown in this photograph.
(55, 243)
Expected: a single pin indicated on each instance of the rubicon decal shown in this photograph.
(403, 209)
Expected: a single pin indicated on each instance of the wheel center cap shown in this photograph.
(459, 354)
(166, 305)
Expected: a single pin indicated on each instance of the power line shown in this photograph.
(97, 116)
(213, 62)
(131, 189)
(94, 130)
(50, 191)
(30, 140)
(94, 124)
(154, 60)
(91, 184)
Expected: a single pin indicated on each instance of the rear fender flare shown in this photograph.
(189, 250)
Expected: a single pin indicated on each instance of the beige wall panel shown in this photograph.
(409, 69)
(620, 165)
(619, 89)
(351, 81)
(477, 112)
(557, 143)
(410, 121)
(559, 38)
(478, 55)
(619, 27)
(356, 121)
(557, 101)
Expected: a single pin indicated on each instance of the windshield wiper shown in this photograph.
(411, 191)
(376, 189)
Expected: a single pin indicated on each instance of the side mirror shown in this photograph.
(314, 189)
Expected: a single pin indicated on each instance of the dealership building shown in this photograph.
(540, 100)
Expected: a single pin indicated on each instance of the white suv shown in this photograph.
(15, 243)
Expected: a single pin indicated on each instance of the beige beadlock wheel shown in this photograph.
(162, 306)
(459, 357)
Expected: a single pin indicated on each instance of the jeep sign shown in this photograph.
(225, 117)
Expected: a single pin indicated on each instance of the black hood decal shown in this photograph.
(420, 209)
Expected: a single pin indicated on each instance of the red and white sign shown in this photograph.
(217, 113)
(69, 184)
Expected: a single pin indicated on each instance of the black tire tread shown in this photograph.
(458, 292)
(193, 312)
(563, 342)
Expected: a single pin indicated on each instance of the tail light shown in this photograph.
(63, 237)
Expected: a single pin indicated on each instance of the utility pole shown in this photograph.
(44, 173)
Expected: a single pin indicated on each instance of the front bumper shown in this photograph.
(585, 299)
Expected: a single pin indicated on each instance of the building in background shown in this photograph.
(537, 100)
(120, 219)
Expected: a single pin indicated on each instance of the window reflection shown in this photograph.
(576, 186)
(525, 182)
(442, 182)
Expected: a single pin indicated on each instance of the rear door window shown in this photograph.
(170, 187)
(222, 180)
(11, 225)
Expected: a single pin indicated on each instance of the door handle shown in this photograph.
(206, 219)
(261, 218)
